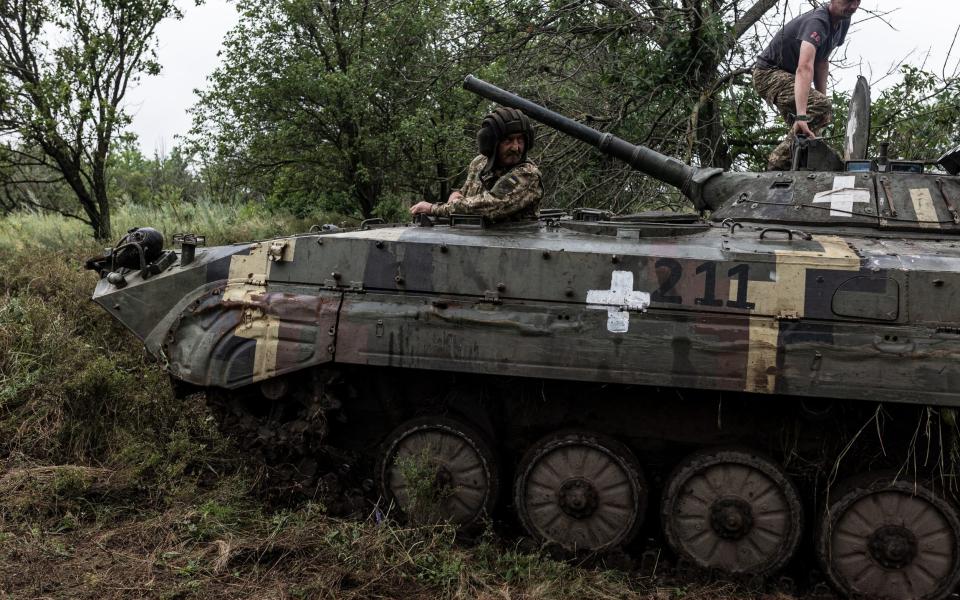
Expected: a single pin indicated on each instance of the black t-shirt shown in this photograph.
(814, 27)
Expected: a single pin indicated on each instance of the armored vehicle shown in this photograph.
(770, 381)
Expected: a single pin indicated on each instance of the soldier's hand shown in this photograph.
(803, 128)
(454, 196)
(421, 207)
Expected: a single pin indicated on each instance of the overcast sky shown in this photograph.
(919, 30)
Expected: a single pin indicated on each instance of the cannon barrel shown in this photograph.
(689, 180)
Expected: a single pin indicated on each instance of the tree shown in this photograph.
(655, 72)
(919, 116)
(349, 104)
(354, 105)
(65, 67)
(340, 105)
(166, 178)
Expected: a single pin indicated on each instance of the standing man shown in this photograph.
(799, 56)
(502, 184)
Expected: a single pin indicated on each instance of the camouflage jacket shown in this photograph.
(514, 194)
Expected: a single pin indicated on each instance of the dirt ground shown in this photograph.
(80, 532)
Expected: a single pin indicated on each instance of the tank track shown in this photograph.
(286, 438)
(319, 436)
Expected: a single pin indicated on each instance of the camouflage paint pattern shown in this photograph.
(810, 313)
(514, 194)
(777, 88)
(216, 322)
(851, 312)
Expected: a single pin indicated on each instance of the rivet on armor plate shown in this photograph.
(398, 279)
(546, 255)
(443, 248)
(335, 275)
(378, 244)
(569, 292)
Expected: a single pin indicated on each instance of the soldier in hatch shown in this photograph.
(502, 184)
(799, 56)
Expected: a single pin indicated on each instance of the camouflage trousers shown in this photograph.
(776, 87)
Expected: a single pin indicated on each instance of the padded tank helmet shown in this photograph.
(498, 125)
(139, 242)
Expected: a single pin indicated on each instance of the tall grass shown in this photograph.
(221, 223)
(75, 388)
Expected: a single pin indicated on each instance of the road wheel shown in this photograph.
(434, 469)
(732, 510)
(581, 492)
(883, 538)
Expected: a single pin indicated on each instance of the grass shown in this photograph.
(221, 223)
(110, 487)
(425, 498)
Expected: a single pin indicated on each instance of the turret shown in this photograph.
(700, 185)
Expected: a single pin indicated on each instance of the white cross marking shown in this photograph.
(841, 198)
(619, 299)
